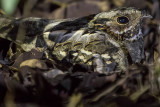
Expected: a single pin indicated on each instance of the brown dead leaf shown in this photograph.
(34, 63)
(0, 65)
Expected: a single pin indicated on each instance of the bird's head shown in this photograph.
(121, 23)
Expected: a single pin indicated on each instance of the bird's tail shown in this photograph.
(5, 26)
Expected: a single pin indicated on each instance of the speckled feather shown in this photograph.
(98, 40)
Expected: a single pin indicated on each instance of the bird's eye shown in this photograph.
(122, 20)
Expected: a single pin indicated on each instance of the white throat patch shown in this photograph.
(137, 36)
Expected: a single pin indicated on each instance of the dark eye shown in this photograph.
(122, 20)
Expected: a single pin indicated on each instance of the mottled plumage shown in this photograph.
(104, 41)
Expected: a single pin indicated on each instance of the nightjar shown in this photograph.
(105, 41)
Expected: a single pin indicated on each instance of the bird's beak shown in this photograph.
(146, 14)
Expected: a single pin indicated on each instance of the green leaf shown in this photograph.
(9, 6)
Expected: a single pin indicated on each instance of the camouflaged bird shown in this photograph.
(105, 40)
